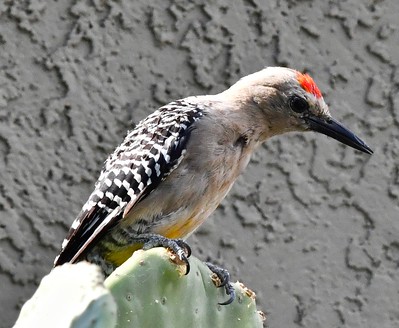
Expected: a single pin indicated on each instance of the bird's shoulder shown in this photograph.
(157, 134)
(149, 153)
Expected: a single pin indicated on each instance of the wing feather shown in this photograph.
(147, 156)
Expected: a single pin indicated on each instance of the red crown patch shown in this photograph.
(307, 83)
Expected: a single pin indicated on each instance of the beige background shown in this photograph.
(312, 226)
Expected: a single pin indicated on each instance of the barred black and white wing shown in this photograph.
(148, 155)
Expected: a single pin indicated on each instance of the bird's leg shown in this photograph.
(224, 276)
(177, 246)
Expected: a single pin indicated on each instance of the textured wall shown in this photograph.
(312, 226)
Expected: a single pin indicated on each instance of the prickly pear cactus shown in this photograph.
(70, 296)
(149, 290)
(152, 291)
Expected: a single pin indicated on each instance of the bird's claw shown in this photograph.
(223, 277)
(184, 245)
(182, 251)
(177, 246)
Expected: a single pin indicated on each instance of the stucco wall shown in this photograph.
(312, 226)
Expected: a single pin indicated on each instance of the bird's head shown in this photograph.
(291, 101)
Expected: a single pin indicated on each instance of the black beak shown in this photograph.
(336, 130)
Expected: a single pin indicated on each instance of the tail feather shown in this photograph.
(74, 243)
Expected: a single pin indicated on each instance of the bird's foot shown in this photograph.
(177, 246)
(222, 279)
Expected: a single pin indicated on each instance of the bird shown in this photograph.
(176, 166)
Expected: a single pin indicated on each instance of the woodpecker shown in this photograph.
(175, 167)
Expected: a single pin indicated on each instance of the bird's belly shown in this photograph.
(179, 205)
(186, 219)
(178, 224)
(183, 224)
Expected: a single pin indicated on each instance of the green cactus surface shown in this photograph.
(152, 291)
(149, 290)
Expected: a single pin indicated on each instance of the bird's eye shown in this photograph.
(298, 104)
